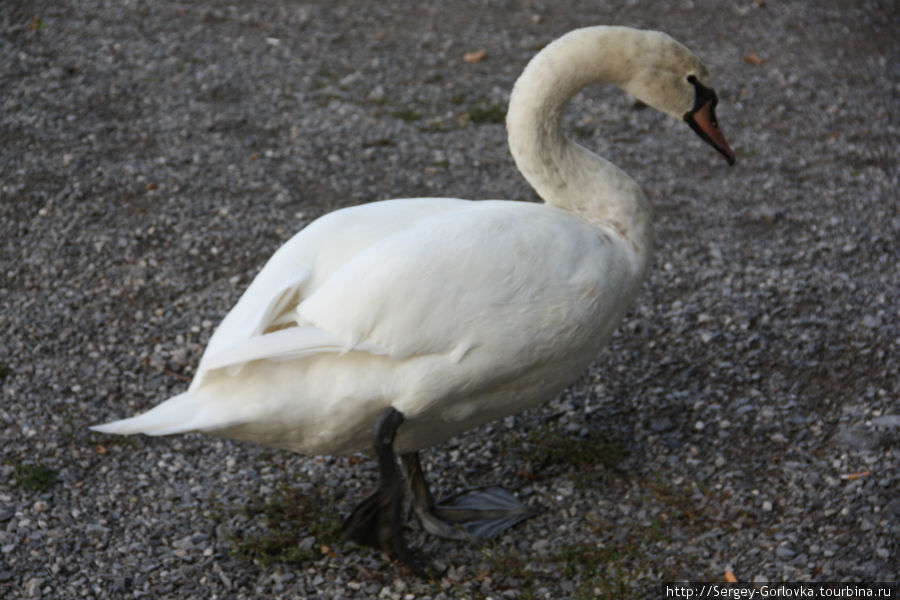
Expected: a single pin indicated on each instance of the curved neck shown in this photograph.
(563, 173)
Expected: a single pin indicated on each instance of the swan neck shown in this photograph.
(563, 173)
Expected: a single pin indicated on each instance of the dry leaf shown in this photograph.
(172, 373)
(475, 56)
(526, 474)
(754, 59)
(852, 476)
(101, 449)
(730, 577)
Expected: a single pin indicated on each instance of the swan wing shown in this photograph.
(480, 276)
(282, 345)
(302, 265)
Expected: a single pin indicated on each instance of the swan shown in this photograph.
(394, 325)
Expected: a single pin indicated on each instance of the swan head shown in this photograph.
(671, 79)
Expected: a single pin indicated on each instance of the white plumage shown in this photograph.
(433, 315)
(451, 311)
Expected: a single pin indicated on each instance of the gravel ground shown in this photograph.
(745, 418)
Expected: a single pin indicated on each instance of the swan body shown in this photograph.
(422, 318)
(450, 311)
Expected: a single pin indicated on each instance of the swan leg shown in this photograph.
(474, 515)
(378, 520)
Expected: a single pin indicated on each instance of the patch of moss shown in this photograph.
(684, 508)
(545, 448)
(435, 127)
(406, 114)
(5, 371)
(602, 570)
(583, 132)
(597, 571)
(37, 478)
(289, 516)
(605, 566)
(493, 113)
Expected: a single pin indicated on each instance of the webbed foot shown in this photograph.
(475, 515)
(484, 513)
(377, 521)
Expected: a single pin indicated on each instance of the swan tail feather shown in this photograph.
(175, 415)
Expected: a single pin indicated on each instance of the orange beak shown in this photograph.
(703, 121)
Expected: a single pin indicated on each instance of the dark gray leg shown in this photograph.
(474, 515)
(378, 520)
(423, 502)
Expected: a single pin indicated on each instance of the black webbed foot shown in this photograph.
(483, 513)
(378, 520)
(474, 515)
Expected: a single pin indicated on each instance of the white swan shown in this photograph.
(417, 319)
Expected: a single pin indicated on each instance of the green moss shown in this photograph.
(683, 508)
(37, 478)
(607, 564)
(289, 515)
(545, 448)
(583, 132)
(493, 113)
(600, 568)
(435, 127)
(596, 571)
(406, 114)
